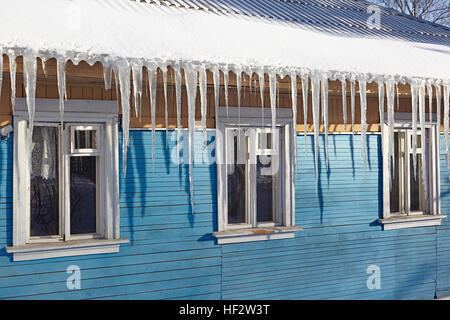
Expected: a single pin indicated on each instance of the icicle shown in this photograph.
(390, 93)
(12, 72)
(216, 79)
(124, 81)
(381, 101)
(352, 103)
(273, 93)
(116, 82)
(430, 101)
(305, 108)
(137, 88)
(261, 90)
(422, 131)
(226, 77)
(152, 82)
(446, 120)
(324, 86)
(438, 107)
(61, 78)
(44, 68)
(166, 115)
(238, 89)
(29, 74)
(398, 96)
(107, 74)
(203, 101)
(363, 99)
(294, 114)
(344, 100)
(315, 91)
(177, 72)
(191, 87)
(414, 93)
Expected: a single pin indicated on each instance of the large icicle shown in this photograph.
(344, 101)
(61, 78)
(29, 74)
(166, 115)
(315, 91)
(446, 120)
(422, 133)
(191, 86)
(363, 100)
(438, 106)
(177, 72)
(107, 74)
(226, 78)
(430, 101)
(390, 94)
(324, 86)
(305, 107)
(352, 102)
(137, 89)
(124, 70)
(414, 95)
(12, 73)
(398, 96)
(381, 101)
(273, 102)
(203, 101)
(261, 81)
(238, 89)
(294, 114)
(216, 79)
(152, 82)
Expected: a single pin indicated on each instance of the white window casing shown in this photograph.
(408, 218)
(283, 224)
(99, 116)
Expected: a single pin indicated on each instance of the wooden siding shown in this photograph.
(172, 254)
(86, 82)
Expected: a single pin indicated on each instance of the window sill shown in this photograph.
(413, 221)
(255, 234)
(65, 249)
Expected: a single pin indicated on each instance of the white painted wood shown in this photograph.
(108, 177)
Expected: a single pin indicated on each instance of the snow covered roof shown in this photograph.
(339, 17)
(323, 35)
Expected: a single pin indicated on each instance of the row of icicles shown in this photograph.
(195, 75)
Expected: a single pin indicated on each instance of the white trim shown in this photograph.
(430, 150)
(415, 221)
(251, 117)
(255, 234)
(65, 249)
(108, 225)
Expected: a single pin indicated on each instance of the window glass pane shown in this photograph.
(236, 177)
(44, 193)
(85, 139)
(417, 192)
(83, 195)
(264, 140)
(266, 188)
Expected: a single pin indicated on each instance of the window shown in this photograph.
(66, 190)
(411, 196)
(256, 193)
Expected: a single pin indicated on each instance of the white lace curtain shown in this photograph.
(44, 155)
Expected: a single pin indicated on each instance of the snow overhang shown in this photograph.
(109, 30)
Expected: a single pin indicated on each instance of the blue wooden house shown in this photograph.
(223, 149)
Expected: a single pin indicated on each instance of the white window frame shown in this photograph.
(390, 221)
(253, 231)
(77, 112)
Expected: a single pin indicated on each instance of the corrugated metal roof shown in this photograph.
(344, 17)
